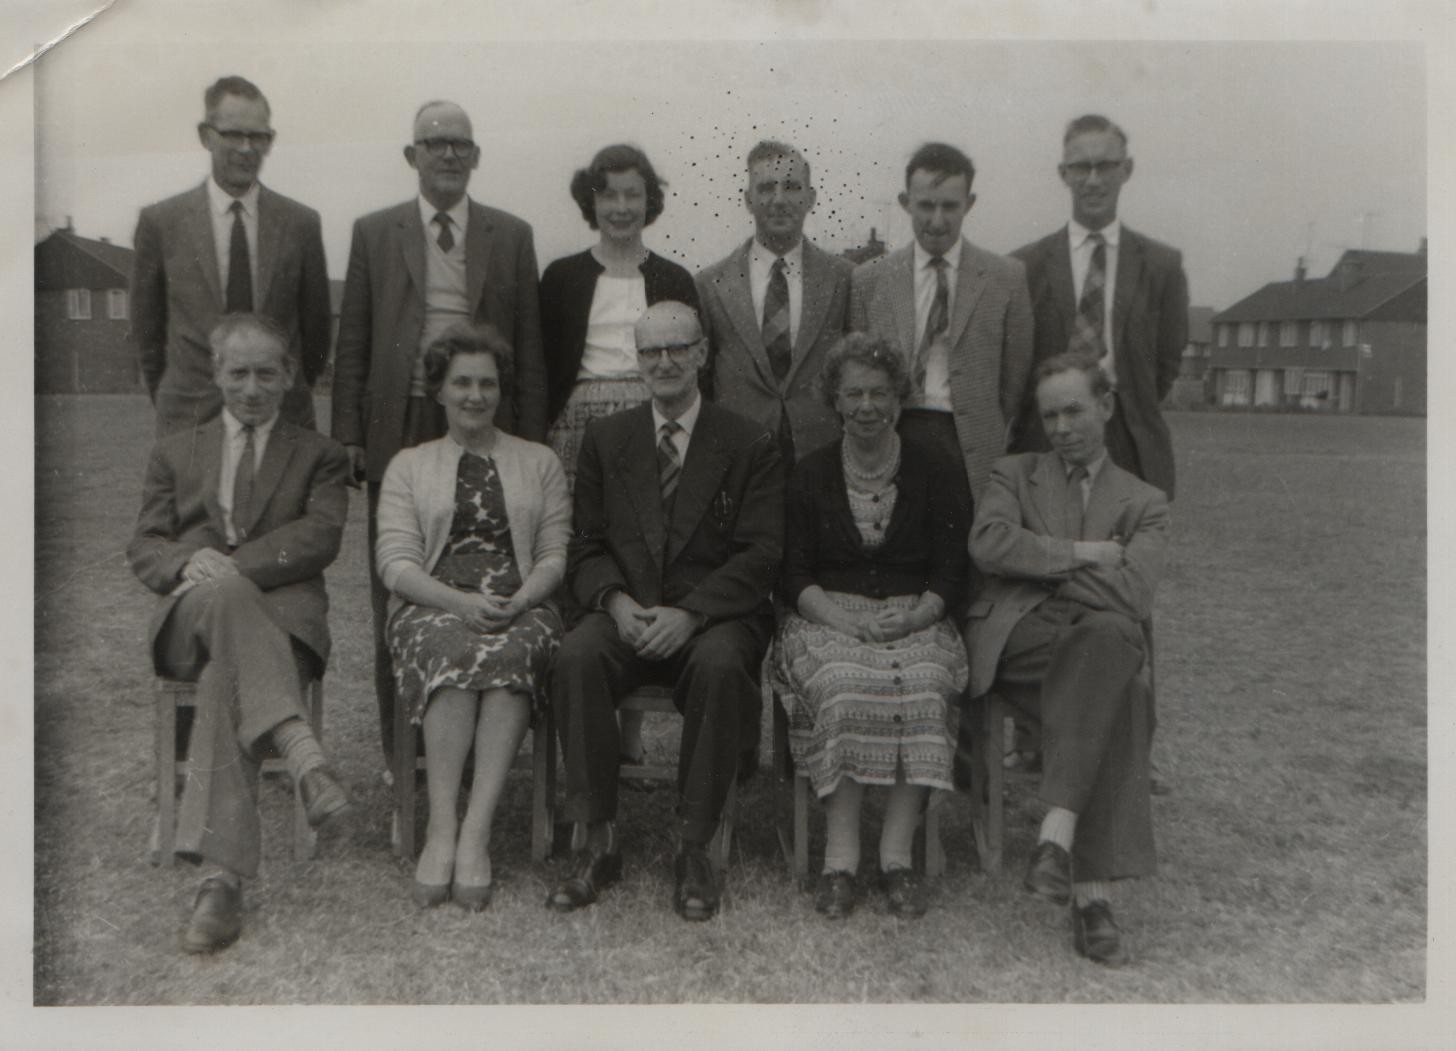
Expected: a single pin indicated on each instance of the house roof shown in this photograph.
(112, 255)
(1374, 278)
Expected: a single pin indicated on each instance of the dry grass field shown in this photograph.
(1291, 675)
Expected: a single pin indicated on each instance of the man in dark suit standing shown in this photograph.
(1072, 547)
(414, 269)
(678, 533)
(239, 518)
(230, 245)
(773, 307)
(1100, 288)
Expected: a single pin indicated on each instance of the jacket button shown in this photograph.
(899, 719)
(897, 683)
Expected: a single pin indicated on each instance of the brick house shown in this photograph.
(82, 313)
(1353, 341)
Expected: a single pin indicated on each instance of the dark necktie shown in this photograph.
(1076, 506)
(936, 322)
(243, 487)
(240, 274)
(1091, 312)
(669, 466)
(776, 321)
(446, 240)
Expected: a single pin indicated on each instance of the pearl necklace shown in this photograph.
(887, 469)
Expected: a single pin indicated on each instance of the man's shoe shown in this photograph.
(323, 798)
(836, 894)
(217, 917)
(1096, 935)
(905, 891)
(1049, 873)
(591, 872)
(695, 894)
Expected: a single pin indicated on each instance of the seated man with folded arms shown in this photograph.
(1072, 547)
(678, 533)
(239, 518)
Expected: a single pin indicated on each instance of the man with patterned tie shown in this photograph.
(230, 245)
(1072, 547)
(677, 537)
(415, 269)
(1100, 288)
(239, 518)
(959, 314)
(773, 307)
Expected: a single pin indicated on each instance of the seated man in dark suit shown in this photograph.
(678, 532)
(239, 518)
(1072, 546)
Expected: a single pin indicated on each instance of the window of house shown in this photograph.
(1293, 382)
(1350, 333)
(1236, 384)
(1288, 333)
(78, 304)
(1317, 334)
(1263, 333)
(1223, 335)
(1246, 333)
(116, 304)
(1315, 393)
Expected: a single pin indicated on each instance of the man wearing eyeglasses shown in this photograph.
(1134, 319)
(228, 246)
(415, 269)
(677, 535)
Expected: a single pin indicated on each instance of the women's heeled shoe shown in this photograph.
(429, 895)
(471, 899)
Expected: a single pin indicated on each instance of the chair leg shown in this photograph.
(994, 735)
(543, 786)
(404, 783)
(166, 763)
(801, 828)
(783, 771)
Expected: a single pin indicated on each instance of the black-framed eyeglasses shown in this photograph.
(677, 353)
(1083, 169)
(259, 140)
(437, 148)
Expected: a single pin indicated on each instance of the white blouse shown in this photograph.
(611, 347)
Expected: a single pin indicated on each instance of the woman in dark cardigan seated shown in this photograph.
(869, 661)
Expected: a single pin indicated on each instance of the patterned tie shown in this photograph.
(669, 466)
(936, 322)
(243, 486)
(1091, 315)
(240, 274)
(776, 321)
(1076, 501)
(446, 240)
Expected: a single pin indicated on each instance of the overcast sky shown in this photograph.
(1247, 155)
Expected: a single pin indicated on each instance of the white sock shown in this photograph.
(1059, 826)
(1093, 890)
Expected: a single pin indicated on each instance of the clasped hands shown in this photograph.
(208, 563)
(888, 625)
(655, 632)
(488, 613)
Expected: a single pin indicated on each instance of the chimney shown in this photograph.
(106, 240)
(1299, 270)
(69, 228)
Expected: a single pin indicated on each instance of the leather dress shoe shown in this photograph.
(591, 871)
(835, 894)
(1095, 934)
(217, 917)
(323, 798)
(905, 891)
(1049, 874)
(471, 898)
(695, 891)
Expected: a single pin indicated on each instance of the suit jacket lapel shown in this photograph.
(1129, 274)
(817, 287)
(738, 302)
(209, 462)
(706, 463)
(1058, 268)
(902, 282)
(1110, 492)
(276, 455)
(970, 283)
(270, 238)
(199, 231)
(1049, 497)
(411, 235)
(477, 254)
(637, 466)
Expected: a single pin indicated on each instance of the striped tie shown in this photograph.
(669, 466)
(776, 321)
(1091, 314)
(936, 322)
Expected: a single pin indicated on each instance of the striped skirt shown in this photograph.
(590, 400)
(863, 709)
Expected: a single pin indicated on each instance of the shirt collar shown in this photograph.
(232, 427)
(459, 214)
(952, 257)
(219, 200)
(1078, 233)
(760, 256)
(687, 421)
(1092, 468)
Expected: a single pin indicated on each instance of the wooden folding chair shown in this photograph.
(171, 766)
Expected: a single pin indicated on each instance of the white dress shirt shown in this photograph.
(937, 355)
(610, 352)
(233, 441)
(686, 422)
(1082, 248)
(446, 298)
(760, 269)
(1092, 470)
(219, 207)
